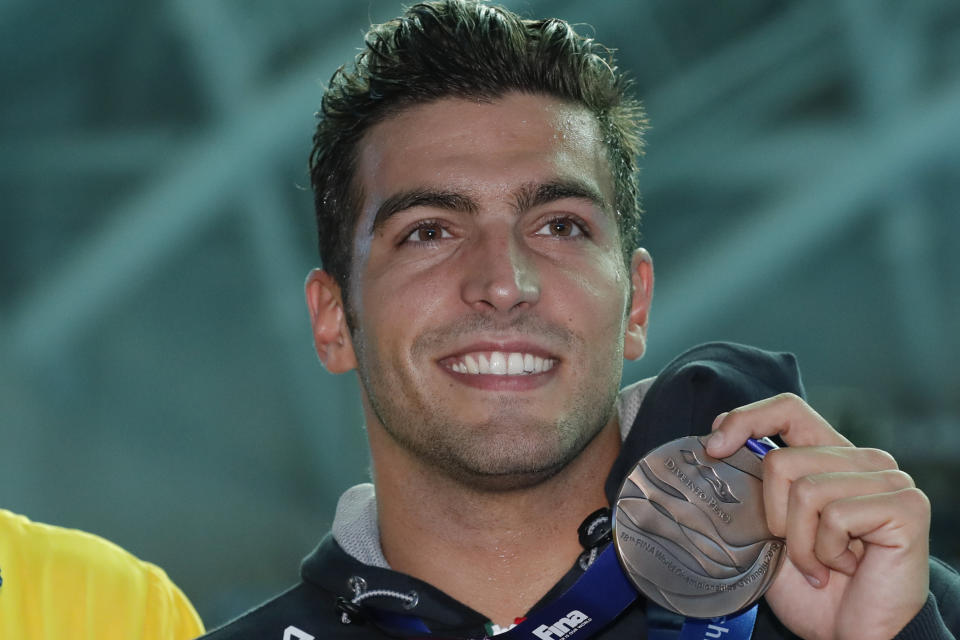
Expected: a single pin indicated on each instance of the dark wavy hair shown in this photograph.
(464, 49)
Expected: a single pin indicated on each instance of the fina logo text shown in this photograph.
(564, 627)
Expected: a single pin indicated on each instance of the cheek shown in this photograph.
(601, 292)
(397, 306)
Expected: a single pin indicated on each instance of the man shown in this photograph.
(72, 585)
(476, 200)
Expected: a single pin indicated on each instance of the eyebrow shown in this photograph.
(534, 194)
(447, 200)
(527, 196)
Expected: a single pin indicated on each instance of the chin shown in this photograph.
(505, 480)
(507, 462)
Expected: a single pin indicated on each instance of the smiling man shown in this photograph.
(500, 373)
(477, 207)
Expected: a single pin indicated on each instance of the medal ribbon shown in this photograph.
(736, 626)
(601, 594)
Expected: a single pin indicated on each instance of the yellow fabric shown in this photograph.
(64, 584)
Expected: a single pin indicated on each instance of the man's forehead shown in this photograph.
(460, 130)
(576, 126)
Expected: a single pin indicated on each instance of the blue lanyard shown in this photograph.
(601, 594)
(595, 599)
(738, 626)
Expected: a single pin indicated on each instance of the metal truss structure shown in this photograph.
(801, 183)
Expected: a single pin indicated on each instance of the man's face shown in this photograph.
(488, 286)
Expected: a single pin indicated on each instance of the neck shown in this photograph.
(497, 552)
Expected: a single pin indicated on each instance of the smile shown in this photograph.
(498, 363)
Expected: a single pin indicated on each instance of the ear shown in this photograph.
(331, 337)
(641, 280)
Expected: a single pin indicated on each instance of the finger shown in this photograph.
(783, 467)
(898, 521)
(810, 495)
(786, 414)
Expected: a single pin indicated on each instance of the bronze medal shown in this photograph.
(691, 533)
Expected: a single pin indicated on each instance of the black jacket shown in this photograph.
(683, 400)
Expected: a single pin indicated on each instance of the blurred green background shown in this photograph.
(157, 380)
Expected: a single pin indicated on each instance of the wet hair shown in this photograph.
(464, 49)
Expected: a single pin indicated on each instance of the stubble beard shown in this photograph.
(507, 448)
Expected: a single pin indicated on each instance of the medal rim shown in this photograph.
(703, 610)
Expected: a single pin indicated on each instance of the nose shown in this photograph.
(500, 274)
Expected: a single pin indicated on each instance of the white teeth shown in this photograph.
(528, 363)
(471, 365)
(503, 364)
(498, 364)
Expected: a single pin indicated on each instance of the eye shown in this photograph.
(562, 227)
(427, 231)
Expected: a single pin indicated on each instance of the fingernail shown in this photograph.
(715, 441)
(813, 581)
(719, 419)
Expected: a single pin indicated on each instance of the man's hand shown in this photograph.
(856, 526)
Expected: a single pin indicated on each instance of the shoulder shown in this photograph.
(67, 579)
